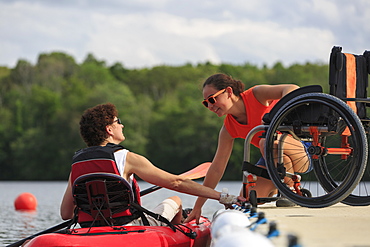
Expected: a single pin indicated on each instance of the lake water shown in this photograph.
(16, 225)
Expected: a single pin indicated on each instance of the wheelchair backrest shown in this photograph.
(303, 90)
(348, 78)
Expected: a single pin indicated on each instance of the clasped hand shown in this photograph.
(228, 200)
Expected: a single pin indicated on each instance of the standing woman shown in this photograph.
(244, 110)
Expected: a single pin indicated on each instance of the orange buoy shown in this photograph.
(25, 201)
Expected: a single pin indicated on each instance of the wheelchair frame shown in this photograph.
(350, 145)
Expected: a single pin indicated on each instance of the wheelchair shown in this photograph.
(329, 133)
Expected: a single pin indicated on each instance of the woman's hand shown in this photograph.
(195, 214)
(228, 200)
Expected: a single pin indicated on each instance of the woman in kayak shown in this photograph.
(243, 110)
(102, 130)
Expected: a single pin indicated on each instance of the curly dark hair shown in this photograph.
(93, 123)
(221, 81)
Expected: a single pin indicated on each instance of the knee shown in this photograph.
(262, 146)
(176, 199)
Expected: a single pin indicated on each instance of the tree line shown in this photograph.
(41, 104)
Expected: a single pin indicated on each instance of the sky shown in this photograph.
(147, 33)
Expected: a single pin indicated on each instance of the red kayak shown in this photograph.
(154, 236)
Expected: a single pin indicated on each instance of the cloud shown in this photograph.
(146, 33)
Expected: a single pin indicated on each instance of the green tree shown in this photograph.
(53, 69)
(182, 133)
(161, 109)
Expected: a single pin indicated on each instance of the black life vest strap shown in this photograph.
(113, 148)
(154, 215)
(191, 234)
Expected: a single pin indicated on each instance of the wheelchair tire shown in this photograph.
(306, 193)
(360, 196)
(253, 198)
(317, 118)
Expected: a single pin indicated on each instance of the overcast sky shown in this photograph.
(146, 33)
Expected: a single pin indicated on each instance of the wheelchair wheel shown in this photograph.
(253, 198)
(316, 119)
(306, 193)
(360, 196)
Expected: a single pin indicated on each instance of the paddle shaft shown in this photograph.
(149, 190)
(197, 172)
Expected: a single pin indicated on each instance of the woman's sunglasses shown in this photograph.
(212, 99)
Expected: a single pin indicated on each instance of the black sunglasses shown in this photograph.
(118, 121)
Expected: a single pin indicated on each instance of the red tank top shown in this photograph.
(255, 111)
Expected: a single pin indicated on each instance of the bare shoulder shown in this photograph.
(265, 93)
(134, 162)
(224, 133)
(278, 87)
(133, 156)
